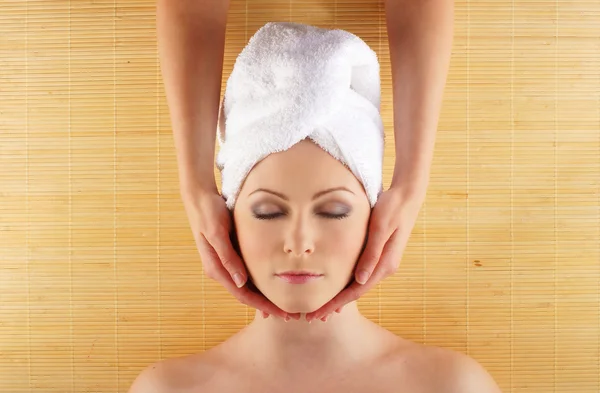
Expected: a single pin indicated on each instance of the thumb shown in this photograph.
(370, 257)
(229, 258)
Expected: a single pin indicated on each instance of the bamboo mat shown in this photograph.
(99, 274)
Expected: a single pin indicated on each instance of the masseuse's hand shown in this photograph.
(392, 221)
(211, 225)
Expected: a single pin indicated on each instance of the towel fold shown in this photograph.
(294, 81)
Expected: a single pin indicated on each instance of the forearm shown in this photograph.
(420, 36)
(191, 41)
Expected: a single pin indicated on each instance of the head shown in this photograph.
(298, 231)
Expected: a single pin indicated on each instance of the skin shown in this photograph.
(191, 40)
(272, 354)
(302, 236)
(348, 352)
(361, 356)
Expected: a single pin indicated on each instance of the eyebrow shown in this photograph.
(317, 195)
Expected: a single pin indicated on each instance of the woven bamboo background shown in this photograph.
(99, 273)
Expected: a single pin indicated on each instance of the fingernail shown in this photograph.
(287, 318)
(324, 319)
(265, 315)
(239, 281)
(363, 276)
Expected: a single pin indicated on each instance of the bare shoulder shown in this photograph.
(457, 372)
(149, 380)
(178, 374)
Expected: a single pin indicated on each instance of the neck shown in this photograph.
(345, 339)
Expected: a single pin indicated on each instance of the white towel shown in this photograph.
(294, 81)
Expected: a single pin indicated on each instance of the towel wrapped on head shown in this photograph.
(294, 81)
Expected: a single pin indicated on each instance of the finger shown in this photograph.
(229, 258)
(367, 262)
(391, 253)
(245, 295)
(339, 310)
(264, 314)
(350, 294)
(210, 260)
(257, 301)
(353, 292)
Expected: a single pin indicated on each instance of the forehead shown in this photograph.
(305, 166)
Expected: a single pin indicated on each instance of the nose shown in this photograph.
(299, 251)
(299, 241)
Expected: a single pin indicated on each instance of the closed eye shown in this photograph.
(275, 215)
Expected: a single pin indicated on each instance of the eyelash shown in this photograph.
(275, 215)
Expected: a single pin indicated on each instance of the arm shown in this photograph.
(420, 41)
(191, 44)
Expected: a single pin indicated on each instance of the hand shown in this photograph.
(392, 221)
(211, 223)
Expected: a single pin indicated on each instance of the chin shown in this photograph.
(293, 309)
(300, 304)
(300, 300)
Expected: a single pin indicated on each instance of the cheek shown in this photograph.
(341, 247)
(346, 238)
(256, 239)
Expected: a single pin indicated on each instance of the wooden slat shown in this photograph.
(99, 275)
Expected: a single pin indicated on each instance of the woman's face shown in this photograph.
(323, 234)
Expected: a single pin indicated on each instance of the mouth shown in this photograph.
(299, 277)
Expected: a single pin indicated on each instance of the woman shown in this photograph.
(348, 352)
(300, 207)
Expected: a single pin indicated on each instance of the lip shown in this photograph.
(299, 277)
(300, 273)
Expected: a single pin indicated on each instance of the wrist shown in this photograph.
(192, 187)
(410, 184)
